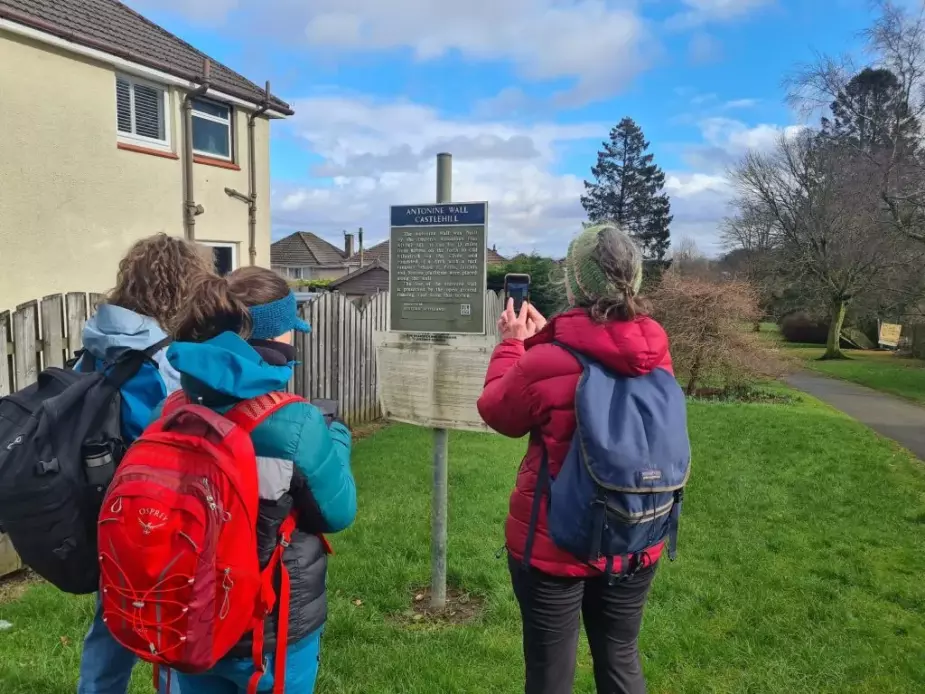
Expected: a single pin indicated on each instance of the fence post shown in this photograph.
(53, 343)
(6, 344)
(76, 310)
(25, 341)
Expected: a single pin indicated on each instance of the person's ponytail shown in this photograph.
(211, 308)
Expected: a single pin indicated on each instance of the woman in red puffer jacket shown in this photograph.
(530, 389)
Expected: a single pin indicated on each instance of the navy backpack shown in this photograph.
(620, 487)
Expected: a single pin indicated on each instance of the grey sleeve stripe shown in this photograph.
(275, 477)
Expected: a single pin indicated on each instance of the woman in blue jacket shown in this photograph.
(150, 289)
(234, 342)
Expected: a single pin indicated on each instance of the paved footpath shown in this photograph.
(886, 414)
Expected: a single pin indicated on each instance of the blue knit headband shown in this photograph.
(269, 321)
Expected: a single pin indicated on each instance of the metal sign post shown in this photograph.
(438, 528)
(437, 284)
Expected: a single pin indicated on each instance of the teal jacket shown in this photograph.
(302, 463)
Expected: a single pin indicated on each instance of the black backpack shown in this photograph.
(60, 443)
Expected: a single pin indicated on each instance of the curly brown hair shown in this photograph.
(156, 275)
(219, 304)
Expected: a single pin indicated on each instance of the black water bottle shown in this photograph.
(100, 464)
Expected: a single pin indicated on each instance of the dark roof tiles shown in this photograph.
(114, 28)
(306, 249)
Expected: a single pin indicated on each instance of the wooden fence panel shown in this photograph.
(54, 345)
(95, 301)
(494, 305)
(338, 357)
(6, 353)
(76, 316)
(26, 344)
(9, 560)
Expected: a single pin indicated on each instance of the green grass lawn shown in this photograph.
(801, 570)
(882, 371)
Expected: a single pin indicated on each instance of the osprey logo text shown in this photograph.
(148, 519)
(15, 442)
(153, 513)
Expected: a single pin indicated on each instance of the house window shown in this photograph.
(295, 273)
(142, 113)
(224, 256)
(211, 129)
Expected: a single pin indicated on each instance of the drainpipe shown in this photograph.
(251, 198)
(190, 209)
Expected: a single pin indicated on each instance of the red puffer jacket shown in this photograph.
(530, 388)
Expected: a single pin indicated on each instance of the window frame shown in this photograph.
(215, 119)
(166, 103)
(224, 244)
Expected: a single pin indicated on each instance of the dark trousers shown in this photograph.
(552, 608)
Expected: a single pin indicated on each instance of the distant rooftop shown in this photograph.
(304, 249)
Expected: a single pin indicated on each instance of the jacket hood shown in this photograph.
(629, 348)
(227, 366)
(113, 330)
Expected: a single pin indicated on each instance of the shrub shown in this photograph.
(310, 285)
(709, 325)
(546, 290)
(803, 328)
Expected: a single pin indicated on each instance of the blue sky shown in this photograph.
(520, 91)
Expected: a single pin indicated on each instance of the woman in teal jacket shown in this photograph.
(234, 342)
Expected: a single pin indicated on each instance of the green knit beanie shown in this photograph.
(585, 280)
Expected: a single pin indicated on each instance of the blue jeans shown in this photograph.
(230, 676)
(106, 667)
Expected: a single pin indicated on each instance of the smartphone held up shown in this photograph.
(517, 287)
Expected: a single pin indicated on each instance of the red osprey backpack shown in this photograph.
(180, 579)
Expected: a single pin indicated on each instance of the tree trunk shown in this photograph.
(692, 382)
(836, 321)
(756, 328)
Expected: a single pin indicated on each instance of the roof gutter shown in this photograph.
(79, 39)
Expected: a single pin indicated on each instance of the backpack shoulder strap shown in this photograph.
(248, 414)
(130, 363)
(157, 347)
(579, 357)
(174, 401)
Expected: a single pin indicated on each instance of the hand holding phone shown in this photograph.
(517, 287)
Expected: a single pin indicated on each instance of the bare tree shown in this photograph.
(896, 45)
(827, 222)
(687, 259)
(748, 236)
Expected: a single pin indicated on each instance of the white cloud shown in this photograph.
(703, 48)
(377, 154)
(700, 198)
(699, 202)
(510, 102)
(736, 137)
(725, 140)
(597, 46)
(701, 12)
(740, 104)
